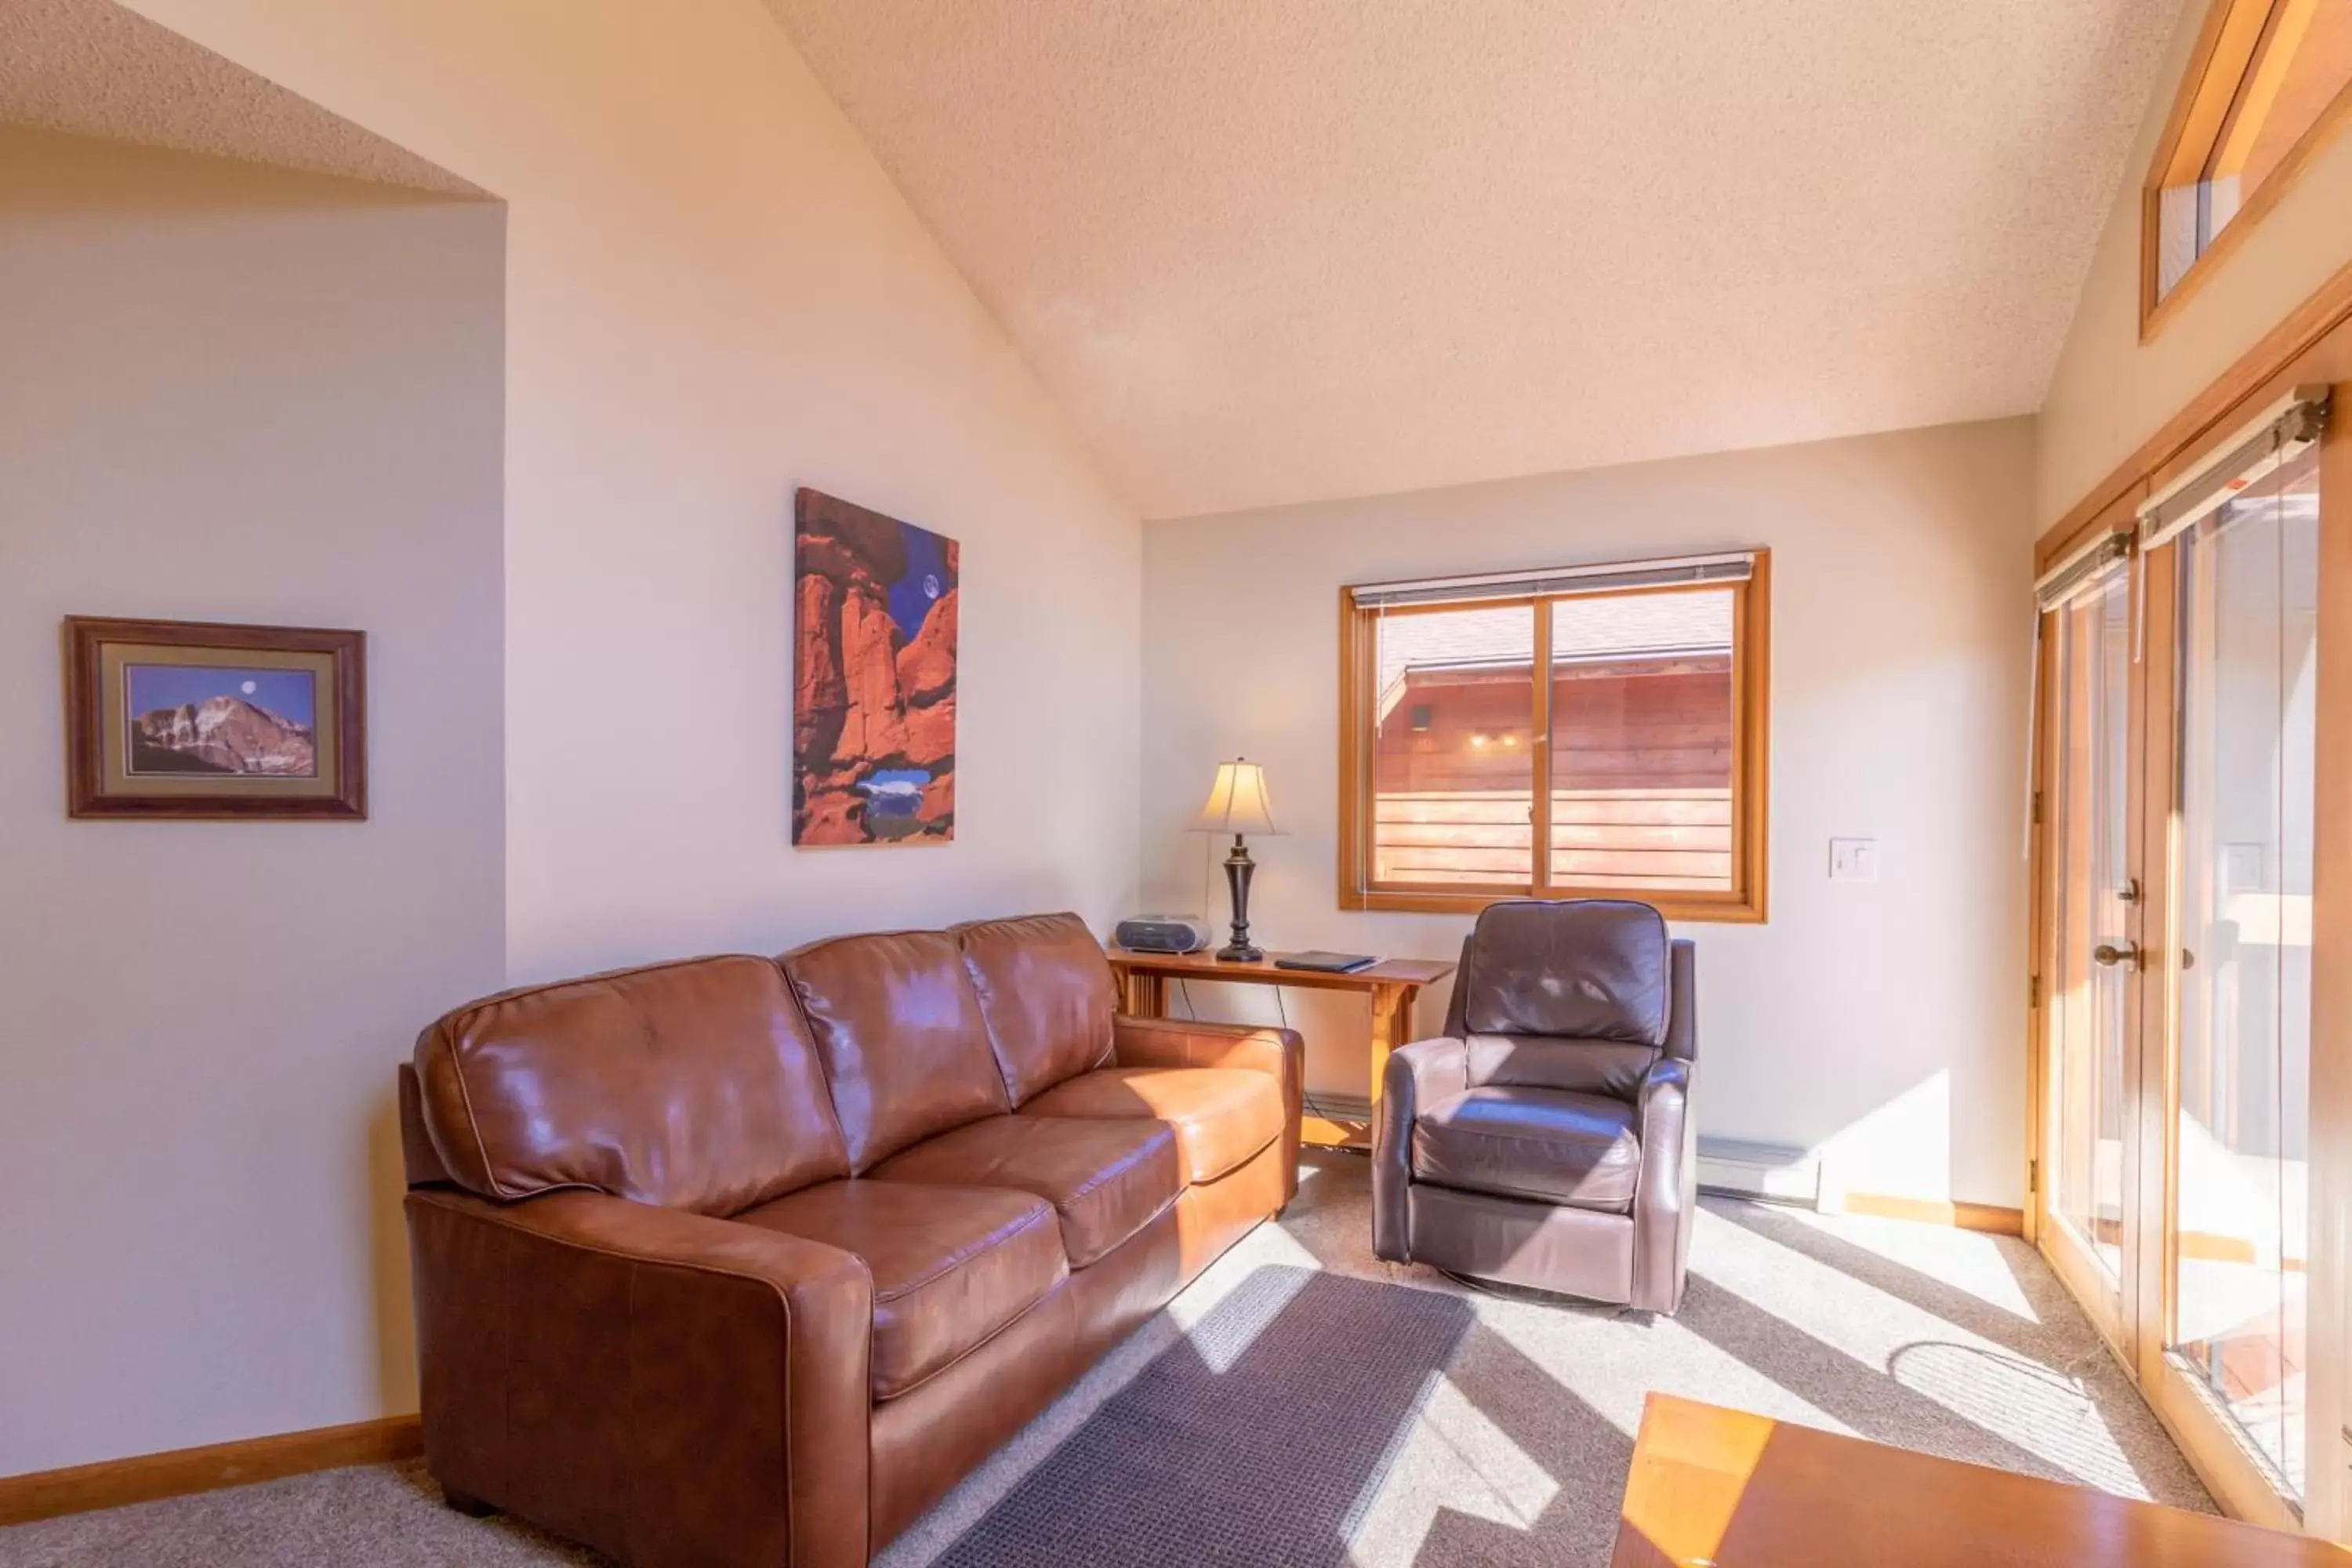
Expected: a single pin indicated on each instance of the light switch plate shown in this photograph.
(1853, 860)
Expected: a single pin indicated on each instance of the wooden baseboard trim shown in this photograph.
(1989, 1218)
(111, 1483)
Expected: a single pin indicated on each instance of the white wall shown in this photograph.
(1877, 1022)
(2112, 392)
(243, 395)
(715, 294)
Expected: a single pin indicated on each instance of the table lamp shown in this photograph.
(1237, 805)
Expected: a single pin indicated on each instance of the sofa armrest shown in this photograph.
(1665, 1189)
(1188, 1043)
(1417, 1075)
(665, 1386)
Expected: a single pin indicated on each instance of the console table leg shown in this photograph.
(1392, 1028)
(1147, 995)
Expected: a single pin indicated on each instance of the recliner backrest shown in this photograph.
(692, 1085)
(1571, 995)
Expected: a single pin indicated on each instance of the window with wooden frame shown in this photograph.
(1635, 767)
(2270, 83)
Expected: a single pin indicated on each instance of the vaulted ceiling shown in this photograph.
(1271, 252)
(90, 68)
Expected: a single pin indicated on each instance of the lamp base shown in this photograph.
(1238, 867)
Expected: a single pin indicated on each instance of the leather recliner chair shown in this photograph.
(1546, 1139)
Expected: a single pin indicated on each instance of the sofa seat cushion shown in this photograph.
(952, 1266)
(1221, 1116)
(1106, 1179)
(1561, 1147)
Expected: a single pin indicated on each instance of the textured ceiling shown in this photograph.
(92, 68)
(1282, 252)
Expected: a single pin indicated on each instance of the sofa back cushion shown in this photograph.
(900, 1028)
(1046, 994)
(690, 1084)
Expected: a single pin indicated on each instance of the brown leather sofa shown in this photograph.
(741, 1260)
(1546, 1139)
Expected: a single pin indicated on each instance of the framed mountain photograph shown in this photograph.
(874, 677)
(184, 718)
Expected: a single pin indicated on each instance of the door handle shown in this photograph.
(2111, 953)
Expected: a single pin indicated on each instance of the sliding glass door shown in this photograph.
(2240, 976)
(2088, 1043)
(2178, 749)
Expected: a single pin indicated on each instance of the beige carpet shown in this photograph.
(1942, 1341)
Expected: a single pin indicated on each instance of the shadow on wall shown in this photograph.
(1876, 1126)
(386, 1175)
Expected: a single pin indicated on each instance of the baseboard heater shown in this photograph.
(1763, 1171)
(1338, 1107)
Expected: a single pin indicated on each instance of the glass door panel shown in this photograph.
(2246, 725)
(2091, 961)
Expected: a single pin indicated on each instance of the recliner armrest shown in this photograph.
(1665, 1190)
(1189, 1043)
(1417, 1075)
(671, 1388)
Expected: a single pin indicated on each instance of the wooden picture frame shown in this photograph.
(209, 721)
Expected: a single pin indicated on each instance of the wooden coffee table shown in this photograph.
(1725, 1489)
(1391, 985)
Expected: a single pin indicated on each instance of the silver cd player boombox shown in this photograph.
(1162, 933)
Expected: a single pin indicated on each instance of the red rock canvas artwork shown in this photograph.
(874, 677)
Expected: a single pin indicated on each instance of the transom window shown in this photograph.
(1634, 767)
(2270, 82)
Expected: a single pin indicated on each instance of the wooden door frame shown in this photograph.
(2231, 1468)
(2118, 1324)
(2328, 1509)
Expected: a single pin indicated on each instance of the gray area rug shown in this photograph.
(1506, 1442)
(1261, 1438)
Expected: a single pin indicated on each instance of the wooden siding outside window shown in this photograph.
(1637, 769)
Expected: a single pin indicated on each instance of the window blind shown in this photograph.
(1686, 570)
(2280, 434)
(2080, 566)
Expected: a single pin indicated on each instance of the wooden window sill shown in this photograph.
(1722, 909)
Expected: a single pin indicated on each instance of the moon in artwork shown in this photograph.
(250, 686)
(930, 585)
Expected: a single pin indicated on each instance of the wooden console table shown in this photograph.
(1728, 1489)
(1391, 985)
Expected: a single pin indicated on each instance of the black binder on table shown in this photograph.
(1326, 963)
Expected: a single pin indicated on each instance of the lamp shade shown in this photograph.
(1238, 802)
